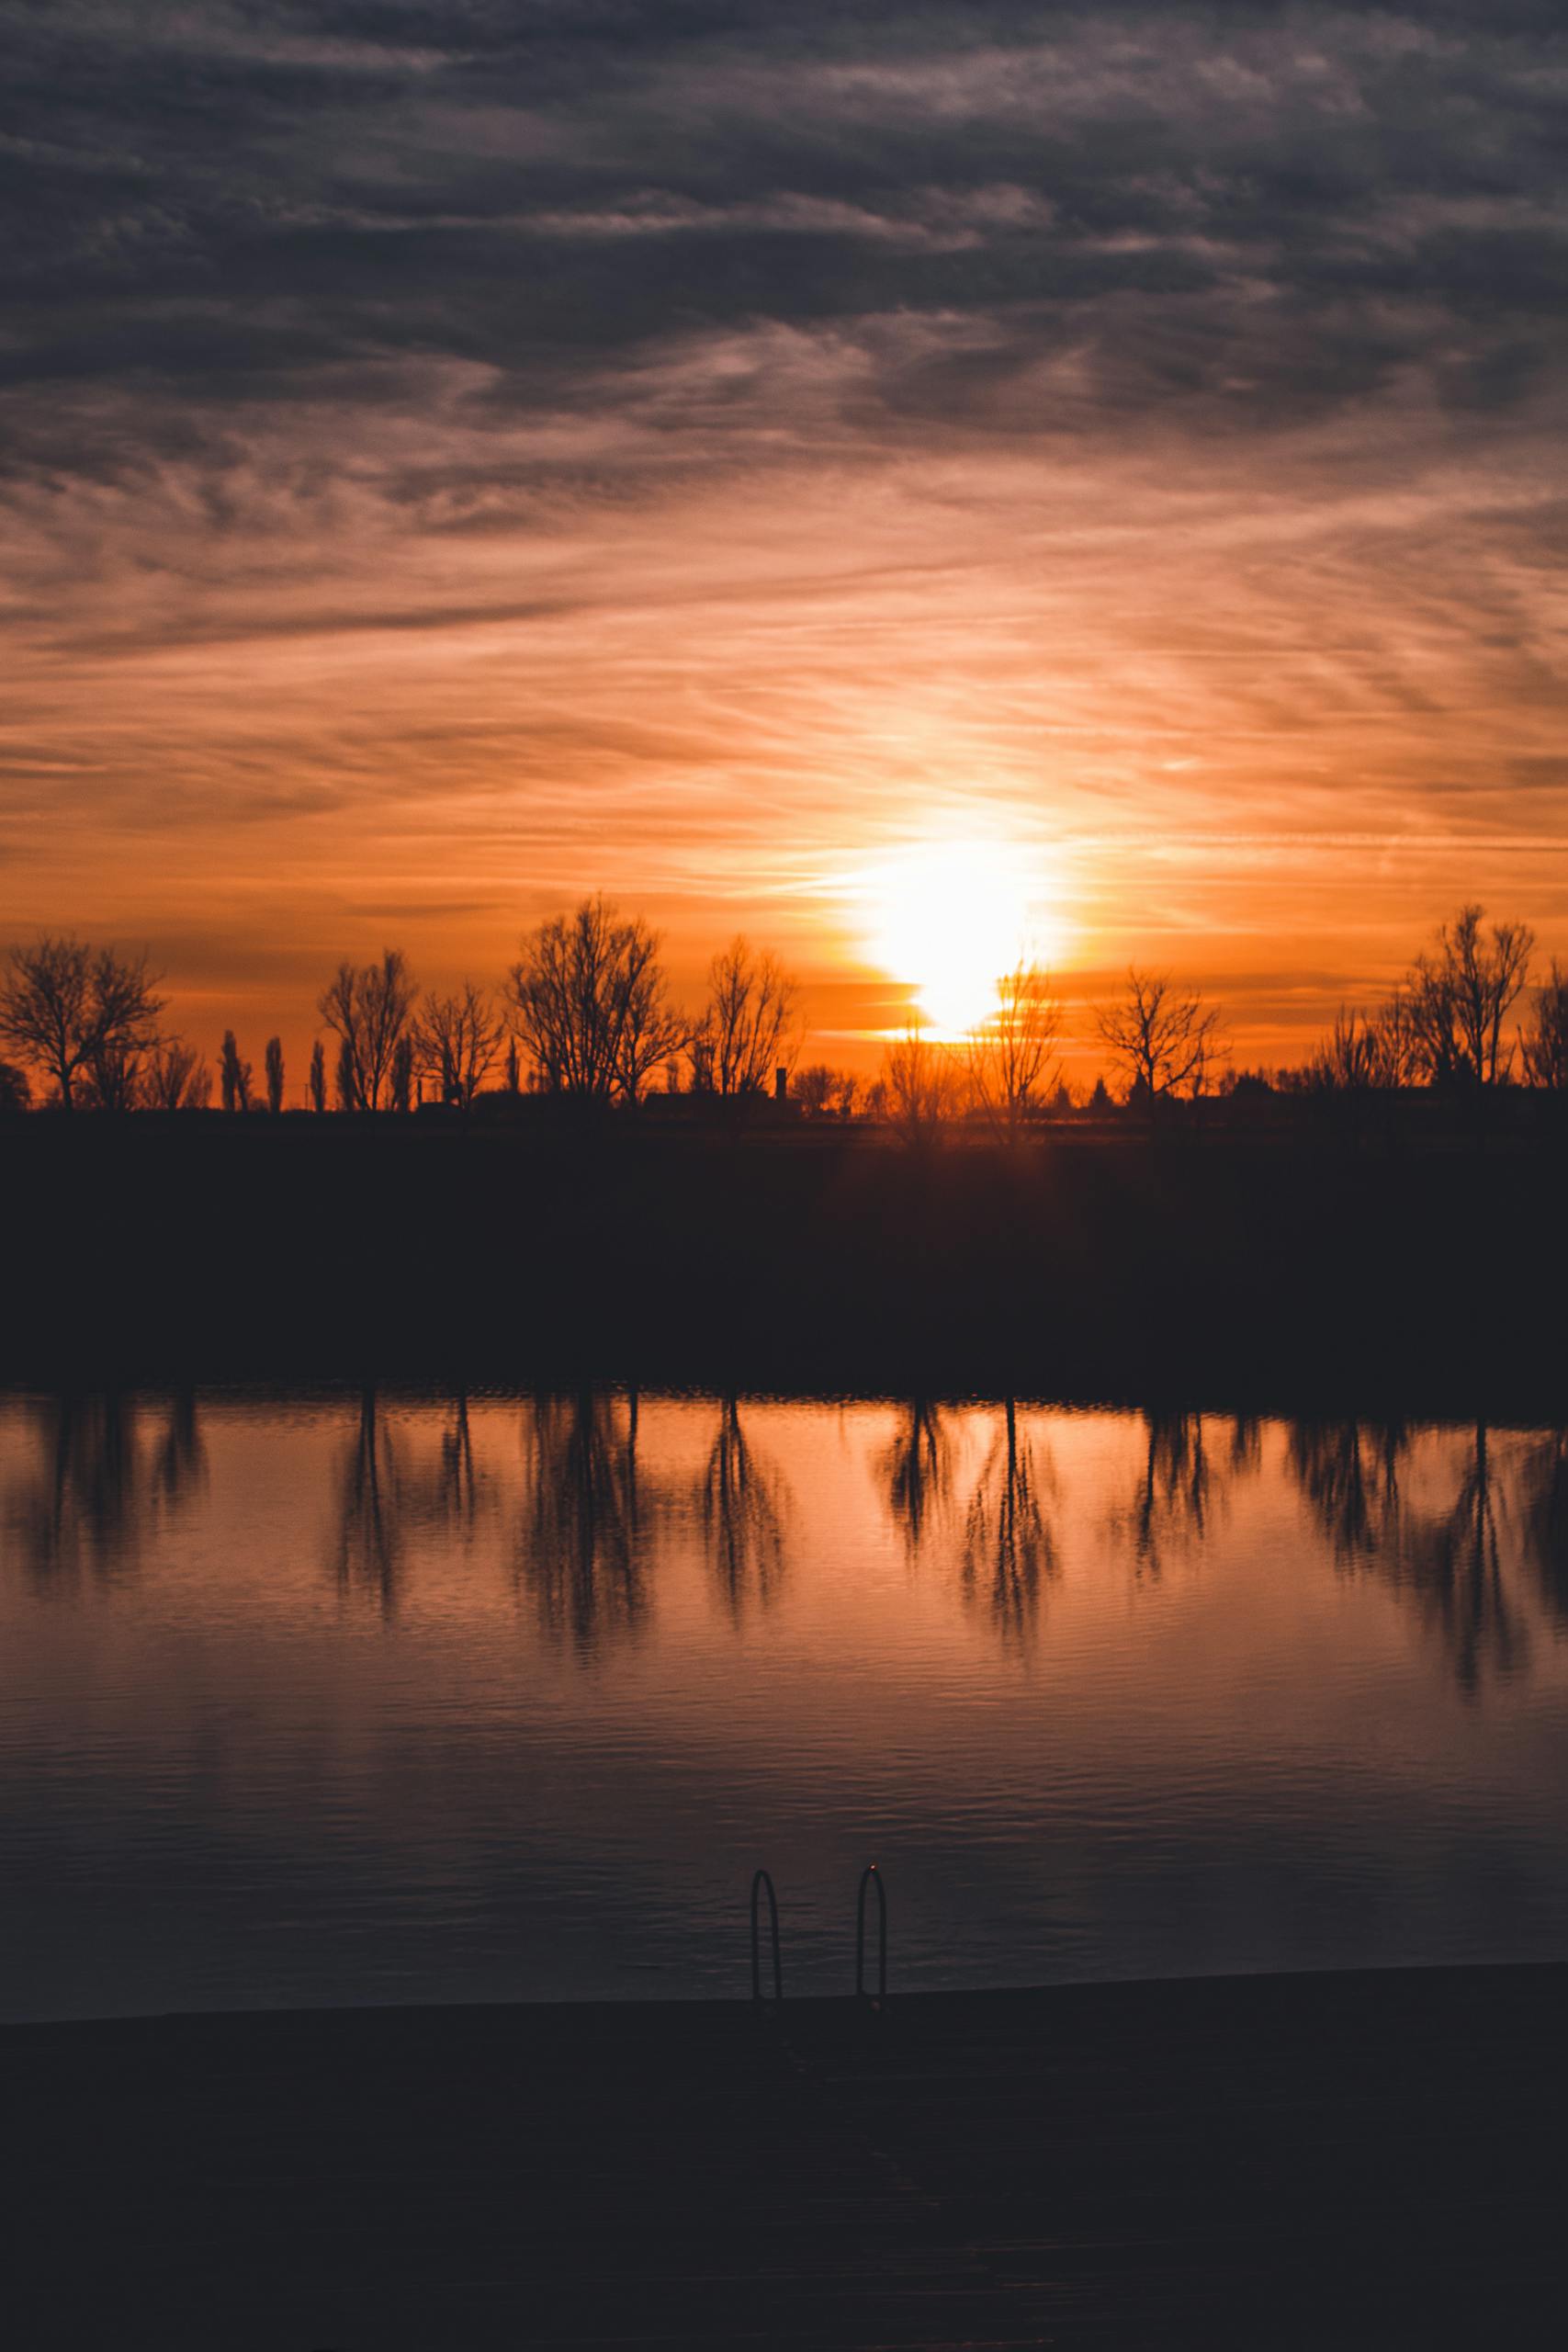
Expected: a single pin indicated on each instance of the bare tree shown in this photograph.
(748, 1027)
(589, 1007)
(316, 1084)
(823, 1092)
(1544, 1044)
(16, 1094)
(233, 1076)
(1166, 1042)
(457, 1043)
(68, 1009)
(1460, 996)
(367, 1008)
(112, 1081)
(1013, 1062)
(1363, 1051)
(274, 1075)
(924, 1086)
(174, 1077)
(401, 1081)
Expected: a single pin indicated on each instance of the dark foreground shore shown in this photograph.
(1400, 1270)
(1339, 2161)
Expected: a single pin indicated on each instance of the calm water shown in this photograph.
(321, 1699)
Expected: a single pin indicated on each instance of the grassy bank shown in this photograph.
(1429, 1270)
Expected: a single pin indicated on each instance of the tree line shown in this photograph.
(587, 1011)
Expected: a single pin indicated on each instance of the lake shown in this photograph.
(321, 1698)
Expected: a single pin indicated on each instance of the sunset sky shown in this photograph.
(453, 456)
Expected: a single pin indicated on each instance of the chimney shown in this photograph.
(781, 1084)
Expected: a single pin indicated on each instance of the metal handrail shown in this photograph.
(760, 1881)
(872, 1876)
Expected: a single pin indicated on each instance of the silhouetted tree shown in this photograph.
(1360, 1053)
(402, 1081)
(67, 1008)
(16, 1094)
(1166, 1042)
(1460, 996)
(457, 1040)
(174, 1077)
(316, 1084)
(923, 1088)
(1544, 1044)
(589, 1007)
(824, 1093)
(233, 1076)
(274, 1075)
(1012, 1058)
(746, 1028)
(367, 1008)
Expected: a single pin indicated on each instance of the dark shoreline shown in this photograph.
(1229, 1269)
(1371, 2159)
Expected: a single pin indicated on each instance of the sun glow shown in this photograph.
(947, 919)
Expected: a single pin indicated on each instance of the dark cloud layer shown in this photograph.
(1238, 214)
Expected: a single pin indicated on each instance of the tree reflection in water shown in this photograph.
(387, 1492)
(1449, 1561)
(179, 1454)
(1009, 1547)
(1543, 1487)
(915, 1470)
(369, 1546)
(1348, 1471)
(1179, 1485)
(586, 1523)
(745, 1507)
(87, 1502)
(459, 1483)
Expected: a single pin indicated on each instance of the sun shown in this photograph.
(947, 919)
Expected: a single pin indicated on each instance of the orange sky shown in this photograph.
(414, 639)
